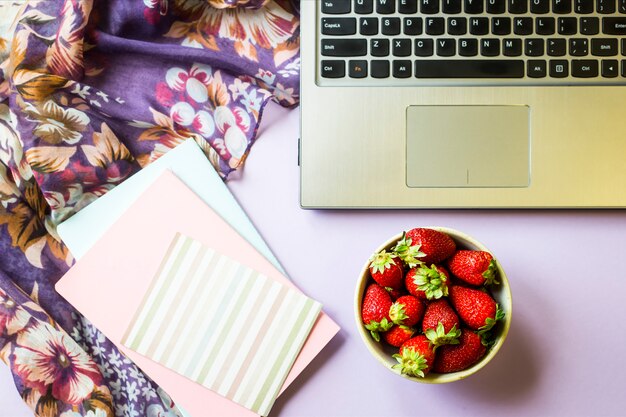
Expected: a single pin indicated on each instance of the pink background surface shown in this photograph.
(564, 355)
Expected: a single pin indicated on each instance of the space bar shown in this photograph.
(465, 68)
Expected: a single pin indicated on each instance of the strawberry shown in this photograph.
(397, 335)
(407, 310)
(375, 310)
(416, 357)
(427, 283)
(441, 324)
(454, 358)
(436, 245)
(408, 252)
(474, 267)
(386, 269)
(476, 308)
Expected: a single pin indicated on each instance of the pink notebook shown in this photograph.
(121, 266)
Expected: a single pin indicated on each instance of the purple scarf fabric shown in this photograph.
(92, 92)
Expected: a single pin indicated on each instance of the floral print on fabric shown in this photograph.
(91, 91)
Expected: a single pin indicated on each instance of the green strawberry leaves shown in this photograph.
(486, 336)
(431, 281)
(397, 313)
(439, 337)
(381, 261)
(375, 327)
(408, 253)
(491, 274)
(410, 363)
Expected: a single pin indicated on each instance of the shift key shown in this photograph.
(614, 25)
(344, 47)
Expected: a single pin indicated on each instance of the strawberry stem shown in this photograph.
(397, 313)
(382, 260)
(491, 274)
(375, 327)
(439, 336)
(410, 363)
(407, 252)
(431, 281)
(485, 331)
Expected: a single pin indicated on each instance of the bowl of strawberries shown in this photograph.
(433, 305)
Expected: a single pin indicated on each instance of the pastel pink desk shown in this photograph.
(564, 355)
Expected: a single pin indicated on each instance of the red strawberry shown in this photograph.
(375, 310)
(474, 267)
(454, 358)
(427, 283)
(441, 324)
(416, 357)
(386, 269)
(475, 307)
(407, 310)
(436, 245)
(408, 252)
(397, 335)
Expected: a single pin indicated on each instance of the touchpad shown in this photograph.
(467, 146)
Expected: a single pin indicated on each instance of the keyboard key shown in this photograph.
(385, 6)
(344, 47)
(583, 6)
(501, 25)
(623, 68)
(357, 69)
(534, 47)
(423, 47)
(429, 6)
(614, 25)
(537, 68)
(363, 6)
(407, 6)
(623, 46)
(468, 47)
(368, 26)
(605, 6)
(402, 69)
(589, 25)
(541, 6)
(496, 6)
(609, 68)
(338, 26)
(604, 47)
(380, 69)
(557, 47)
(559, 68)
(518, 6)
(451, 6)
(435, 25)
(490, 47)
(446, 47)
(333, 69)
(412, 25)
(512, 47)
(584, 68)
(545, 26)
(479, 25)
(578, 47)
(562, 6)
(379, 47)
(473, 68)
(335, 6)
(621, 6)
(473, 6)
(523, 25)
(390, 25)
(401, 47)
(567, 25)
(457, 26)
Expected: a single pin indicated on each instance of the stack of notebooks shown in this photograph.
(189, 290)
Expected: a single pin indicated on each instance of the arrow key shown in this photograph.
(609, 68)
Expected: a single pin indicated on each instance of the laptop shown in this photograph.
(463, 103)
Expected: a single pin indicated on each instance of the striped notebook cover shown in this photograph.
(221, 324)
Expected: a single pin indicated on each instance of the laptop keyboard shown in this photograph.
(471, 42)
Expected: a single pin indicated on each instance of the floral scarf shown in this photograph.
(91, 91)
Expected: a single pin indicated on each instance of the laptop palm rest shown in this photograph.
(468, 146)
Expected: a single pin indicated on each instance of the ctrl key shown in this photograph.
(333, 69)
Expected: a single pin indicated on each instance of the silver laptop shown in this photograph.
(463, 103)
